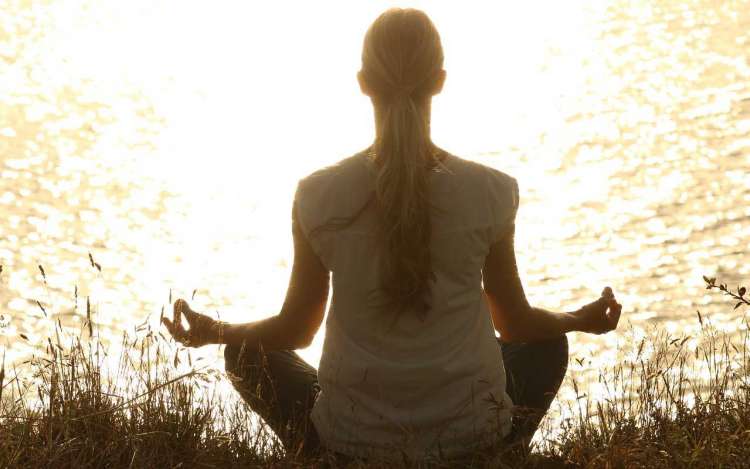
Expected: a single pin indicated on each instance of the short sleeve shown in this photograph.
(303, 202)
(503, 203)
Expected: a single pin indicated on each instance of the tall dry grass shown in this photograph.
(671, 401)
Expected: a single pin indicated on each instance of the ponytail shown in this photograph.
(401, 200)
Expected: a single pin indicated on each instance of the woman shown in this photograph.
(419, 243)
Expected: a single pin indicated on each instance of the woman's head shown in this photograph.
(402, 53)
(402, 67)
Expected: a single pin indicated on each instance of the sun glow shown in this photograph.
(167, 138)
(256, 95)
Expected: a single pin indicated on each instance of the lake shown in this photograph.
(165, 139)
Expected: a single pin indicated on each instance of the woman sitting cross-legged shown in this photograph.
(419, 246)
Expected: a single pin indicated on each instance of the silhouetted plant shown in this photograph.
(737, 294)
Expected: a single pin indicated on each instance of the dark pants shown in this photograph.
(281, 388)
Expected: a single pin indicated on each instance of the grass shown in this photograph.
(685, 405)
(670, 401)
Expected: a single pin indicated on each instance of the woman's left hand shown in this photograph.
(600, 316)
(203, 329)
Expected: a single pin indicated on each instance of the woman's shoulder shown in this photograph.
(336, 187)
(350, 165)
(339, 166)
(483, 173)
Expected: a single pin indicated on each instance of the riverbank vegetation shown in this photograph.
(670, 401)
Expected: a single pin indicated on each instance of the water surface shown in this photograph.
(166, 140)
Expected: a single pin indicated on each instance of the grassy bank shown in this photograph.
(671, 401)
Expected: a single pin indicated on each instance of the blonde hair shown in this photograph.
(402, 57)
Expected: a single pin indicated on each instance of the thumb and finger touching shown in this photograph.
(606, 312)
(174, 326)
(198, 324)
(190, 315)
(614, 308)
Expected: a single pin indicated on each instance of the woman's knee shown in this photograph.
(553, 354)
(238, 357)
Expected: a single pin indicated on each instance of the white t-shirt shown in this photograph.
(418, 388)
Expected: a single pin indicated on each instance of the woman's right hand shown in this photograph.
(601, 316)
(203, 329)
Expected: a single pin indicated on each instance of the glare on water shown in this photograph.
(166, 139)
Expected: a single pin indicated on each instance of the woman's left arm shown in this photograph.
(293, 328)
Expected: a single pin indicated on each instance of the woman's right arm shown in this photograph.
(517, 321)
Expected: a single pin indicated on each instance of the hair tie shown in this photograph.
(402, 91)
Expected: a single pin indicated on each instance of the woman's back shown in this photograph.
(410, 366)
(433, 385)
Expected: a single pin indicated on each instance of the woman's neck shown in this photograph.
(425, 105)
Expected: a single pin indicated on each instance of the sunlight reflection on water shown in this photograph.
(166, 139)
